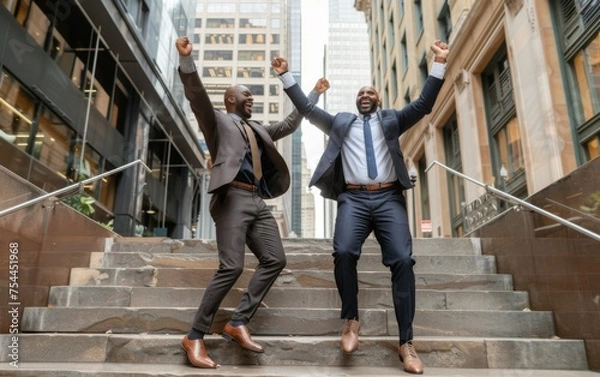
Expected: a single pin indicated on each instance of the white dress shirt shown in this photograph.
(354, 161)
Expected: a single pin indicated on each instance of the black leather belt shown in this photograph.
(372, 187)
(243, 186)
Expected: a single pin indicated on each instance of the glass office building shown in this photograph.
(87, 86)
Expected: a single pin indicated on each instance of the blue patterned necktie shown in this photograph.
(371, 165)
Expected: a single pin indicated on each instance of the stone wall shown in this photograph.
(559, 267)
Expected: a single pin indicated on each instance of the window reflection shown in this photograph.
(586, 68)
(253, 23)
(256, 7)
(256, 90)
(216, 72)
(508, 140)
(218, 39)
(17, 109)
(221, 23)
(218, 55)
(249, 39)
(53, 146)
(250, 72)
(246, 55)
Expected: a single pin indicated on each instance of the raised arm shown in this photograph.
(293, 120)
(194, 90)
(314, 114)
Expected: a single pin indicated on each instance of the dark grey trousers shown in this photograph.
(241, 218)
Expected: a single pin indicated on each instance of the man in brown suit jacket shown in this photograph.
(246, 168)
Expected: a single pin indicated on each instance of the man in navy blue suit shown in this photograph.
(362, 168)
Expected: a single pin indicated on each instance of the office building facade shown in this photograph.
(88, 86)
(520, 108)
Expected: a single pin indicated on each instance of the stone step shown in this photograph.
(483, 264)
(70, 296)
(317, 351)
(141, 370)
(77, 369)
(289, 321)
(200, 277)
(421, 246)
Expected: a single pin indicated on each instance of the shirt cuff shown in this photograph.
(186, 64)
(287, 79)
(438, 70)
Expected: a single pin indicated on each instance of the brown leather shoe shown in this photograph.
(241, 335)
(410, 359)
(196, 353)
(350, 336)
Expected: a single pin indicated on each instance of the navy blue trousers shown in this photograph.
(384, 213)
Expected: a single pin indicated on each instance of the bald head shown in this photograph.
(238, 99)
(367, 100)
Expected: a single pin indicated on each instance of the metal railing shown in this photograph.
(512, 199)
(75, 186)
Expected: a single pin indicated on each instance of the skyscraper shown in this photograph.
(347, 67)
(235, 41)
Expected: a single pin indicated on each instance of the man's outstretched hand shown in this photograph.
(279, 65)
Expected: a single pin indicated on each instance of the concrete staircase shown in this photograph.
(134, 302)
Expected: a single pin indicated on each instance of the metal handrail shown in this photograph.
(78, 185)
(512, 199)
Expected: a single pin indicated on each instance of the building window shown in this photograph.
(255, 7)
(250, 39)
(218, 55)
(180, 21)
(579, 23)
(216, 71)
(139, 12)
(256, 90)
(273, 108)
(249, 55)
(423, 70)
(220, 23)
(407, 96)
(274, 90)
(445, 22)
(404, 54)
(218, 39)
(505, 137)
(258, 108)
(391, 30)
(456, 191)
(418, 17)
(17, 109)
(246, 72)
(220, 7)
(253, 23)
(393, 83)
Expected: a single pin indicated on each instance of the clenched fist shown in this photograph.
(184, 46)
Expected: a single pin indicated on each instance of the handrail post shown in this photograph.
(512, 199)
